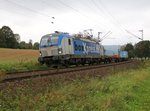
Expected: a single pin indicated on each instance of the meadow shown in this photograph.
(12, 60)
(123, 91)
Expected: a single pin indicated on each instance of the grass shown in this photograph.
(124, 91)
(12, 60)
(23, 65)
(2, 75)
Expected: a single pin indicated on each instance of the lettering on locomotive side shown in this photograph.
(86, 47)
(79, 47)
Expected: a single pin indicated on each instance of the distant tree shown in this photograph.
(130, 48)
(22, 45)
(7, 38)
(36, 45)
(122, 47)
(142, 49)
(2, 40)
(17, 36)
(30, 44)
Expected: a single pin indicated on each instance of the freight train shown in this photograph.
(64, 49)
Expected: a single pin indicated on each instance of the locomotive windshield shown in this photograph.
(49, 40)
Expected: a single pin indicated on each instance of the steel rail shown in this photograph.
(32, 74)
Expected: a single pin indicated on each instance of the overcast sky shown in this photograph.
(32, 18)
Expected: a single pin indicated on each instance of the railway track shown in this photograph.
(41, 73)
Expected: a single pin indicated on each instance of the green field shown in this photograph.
(124, 91)
(12, 60)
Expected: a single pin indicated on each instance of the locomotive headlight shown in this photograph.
(60, 51)
(40, 53)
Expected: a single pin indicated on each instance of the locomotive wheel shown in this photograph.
(48, 64)
(67, 64)
(83, 64)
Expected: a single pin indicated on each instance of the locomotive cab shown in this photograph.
(49, 45)
(54, 46)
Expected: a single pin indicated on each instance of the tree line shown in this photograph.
(140, 50)
(10, 40)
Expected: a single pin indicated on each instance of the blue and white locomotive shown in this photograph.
(65, 49)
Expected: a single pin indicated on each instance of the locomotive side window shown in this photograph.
(69, 41)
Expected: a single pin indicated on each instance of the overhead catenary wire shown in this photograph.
(13, 12)
(79, 12)
(47, 3)
(104, 10)
(50, 19)
(121, 26)
(33, 11)
(75, 10)
(29, 9)
(99, 16)
(48, 16)
(116, 22)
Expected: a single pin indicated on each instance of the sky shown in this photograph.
(32, 19)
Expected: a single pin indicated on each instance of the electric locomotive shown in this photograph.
(64, 49)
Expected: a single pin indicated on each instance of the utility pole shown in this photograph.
(141, 34)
